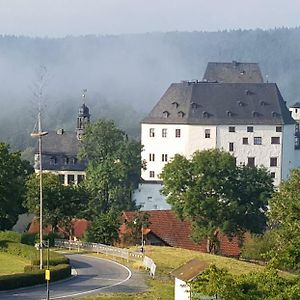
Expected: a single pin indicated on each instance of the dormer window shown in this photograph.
(255, 114)
(248, 92)
(66, 160)
(166, 114)
(73, 160)
(53, 160)
(241, 103)
(263, 103)
(175, 104)
(205, 114)
(275, 114)
(180, 114)
(229, 113)
(194, 105)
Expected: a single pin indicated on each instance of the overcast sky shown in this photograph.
(58, 18)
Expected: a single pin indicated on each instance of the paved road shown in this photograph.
(94, 276)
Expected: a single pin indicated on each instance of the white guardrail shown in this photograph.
(108, 250)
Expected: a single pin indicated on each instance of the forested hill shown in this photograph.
(126, 75)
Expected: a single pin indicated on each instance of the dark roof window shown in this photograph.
(275, 114)
(229, 113)
(194, 105)
(263, 103)
(180, 114)
(205, 114)
(255, 114)
(166, 114)
(175, 104)
(241, 103)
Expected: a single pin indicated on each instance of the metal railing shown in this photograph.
(148, 263)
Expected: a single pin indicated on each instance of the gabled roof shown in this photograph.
(190, 270)
(61, 142)
(206, 103)
(176, 233)
(234, 72)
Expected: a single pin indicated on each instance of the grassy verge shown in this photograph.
(10, 264)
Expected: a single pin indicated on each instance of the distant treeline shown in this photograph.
(126, 75)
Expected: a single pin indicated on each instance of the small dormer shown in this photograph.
(194, 105)
(205, 114)
(175, 104)
(240, 103)
(166, 114)
(275, 114)
(229, 113)
(263, 103)
(180, 114)
(255, 114)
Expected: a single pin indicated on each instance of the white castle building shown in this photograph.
(231, 109)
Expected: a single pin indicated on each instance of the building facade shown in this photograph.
(241, 115)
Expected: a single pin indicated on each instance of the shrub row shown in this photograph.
(31, 253)
(10, 236)
(13, 281)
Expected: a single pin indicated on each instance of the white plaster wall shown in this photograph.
(66, 173)
(182, 290)
(295, 113)
(290, 156)
(262, 153)
(148, 196)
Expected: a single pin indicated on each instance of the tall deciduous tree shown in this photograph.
(13, 173)
(284, 216)
(216, 196)
(114, 164)
(60, 203)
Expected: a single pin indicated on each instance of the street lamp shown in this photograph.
(39, 135)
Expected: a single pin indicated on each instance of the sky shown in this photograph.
(59, 18)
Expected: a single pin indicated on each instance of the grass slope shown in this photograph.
(10, 264)
(168, 259)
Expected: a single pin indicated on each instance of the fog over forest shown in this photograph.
(126, 75)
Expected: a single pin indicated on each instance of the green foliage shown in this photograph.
(10, 236)
(13, 173)
(29, 238)
(114, 164)
(30, 253)
(133, 234)
(215, 195)
(284, 215)
(60, 203)
(257, 247)
(104, 229)
(266, 285)
(13, 281)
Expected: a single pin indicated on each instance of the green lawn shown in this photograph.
(10, 264)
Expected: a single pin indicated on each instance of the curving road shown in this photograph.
(94, 276)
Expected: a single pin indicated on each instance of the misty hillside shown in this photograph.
(126, 75)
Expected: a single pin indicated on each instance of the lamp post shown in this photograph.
(39, 135)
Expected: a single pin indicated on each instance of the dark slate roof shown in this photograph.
(234, 72)
(295, 105)
(207, 103)
(60, 144)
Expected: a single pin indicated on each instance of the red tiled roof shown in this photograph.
(166, 226)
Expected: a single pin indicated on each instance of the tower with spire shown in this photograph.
(83, 117)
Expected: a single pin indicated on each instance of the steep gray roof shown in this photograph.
(234, 72)
(295, 105)
(221, 103)
(66, 143)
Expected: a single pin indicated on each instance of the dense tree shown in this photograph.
(60, 203)
(216, 196)
(114, 164)
(104, 229)
(284, 216)
(13, 174)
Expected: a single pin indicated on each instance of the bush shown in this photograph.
(52, 236)
(29, 238)
(13, 281)
(10, 236)
(258, 246)
(31, 253)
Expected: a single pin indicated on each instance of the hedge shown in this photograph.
(12, 281)
(30, 253)
(10, 236)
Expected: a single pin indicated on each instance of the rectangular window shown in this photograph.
(151, 132)
(207, 133)
(275, 140)
(70, 179)
(272, 175)
(164, 132)
(251, 161)
(231, 147)
(273, 161)
(177, 133)
(231, 129)
(245, 141)
(80, 178)
(249, 128)
(151, 157)
(164, 157)
(257, 140)
(151, 174)
(278, 129)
